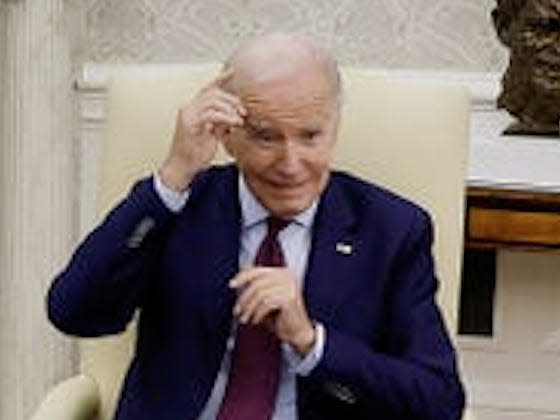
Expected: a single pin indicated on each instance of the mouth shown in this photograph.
(287, 191)
(286, 186)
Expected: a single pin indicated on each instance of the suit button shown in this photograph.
(140, 232)
(341, 392)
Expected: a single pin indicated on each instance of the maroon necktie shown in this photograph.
(255, 369)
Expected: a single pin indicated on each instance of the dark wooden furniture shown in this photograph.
(498, 218)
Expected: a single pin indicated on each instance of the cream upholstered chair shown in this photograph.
(410, 137)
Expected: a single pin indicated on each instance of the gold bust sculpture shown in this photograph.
(531, 84)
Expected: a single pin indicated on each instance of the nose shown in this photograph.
(289, 159)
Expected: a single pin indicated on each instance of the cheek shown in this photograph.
(321, 162)
(256, 163)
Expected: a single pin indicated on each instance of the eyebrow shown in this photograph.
(264, 125)
(257, 125)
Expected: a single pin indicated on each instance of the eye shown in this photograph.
(266, 136)
(258, 133)
(311, 135)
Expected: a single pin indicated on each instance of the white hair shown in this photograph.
(284, 50)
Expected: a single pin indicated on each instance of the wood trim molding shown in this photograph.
(525, 220)
(91, 102)
(484, 87)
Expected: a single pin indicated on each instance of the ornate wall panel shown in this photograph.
(431, 34)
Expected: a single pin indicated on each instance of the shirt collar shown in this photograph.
(253, 212)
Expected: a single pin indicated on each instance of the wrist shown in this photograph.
(176, 176)
(305, 340)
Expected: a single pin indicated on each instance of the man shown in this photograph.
(274, 288)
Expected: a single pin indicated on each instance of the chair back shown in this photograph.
(410, 137)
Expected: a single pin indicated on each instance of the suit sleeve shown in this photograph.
(103, 284)
(415, 377)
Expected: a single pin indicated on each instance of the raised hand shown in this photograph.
(200, 126)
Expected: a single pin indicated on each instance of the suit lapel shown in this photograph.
(223, 230)
(333, 250)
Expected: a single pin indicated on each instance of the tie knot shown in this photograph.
(275, 225)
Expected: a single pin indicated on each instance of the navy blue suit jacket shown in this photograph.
(387, 355)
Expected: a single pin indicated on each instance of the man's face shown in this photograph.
(284, 149)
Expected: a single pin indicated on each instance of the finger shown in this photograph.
(260, 303)
(207, 127)
(219, 131)
(219, 104)
(248, 275)
(259, 300)
(216, 87)
(267, 309)
(232, 100)
(247, 311)
(216, 117)
(217, 82)
(252, 292)
(224, 76)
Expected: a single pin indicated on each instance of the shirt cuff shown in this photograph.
(173, 200)
(303, 365)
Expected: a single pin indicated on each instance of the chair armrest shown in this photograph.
(468, 415)
(76, 398)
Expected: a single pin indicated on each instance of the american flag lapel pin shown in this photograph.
(344, 248)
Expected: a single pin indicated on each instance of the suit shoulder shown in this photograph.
(213, 180)
(217, 173)
(210, 189)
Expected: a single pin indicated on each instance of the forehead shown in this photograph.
(305, 97)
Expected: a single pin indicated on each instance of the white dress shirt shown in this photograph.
(295, 241)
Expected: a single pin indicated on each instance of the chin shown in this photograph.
(289, 208)
(287, 203)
